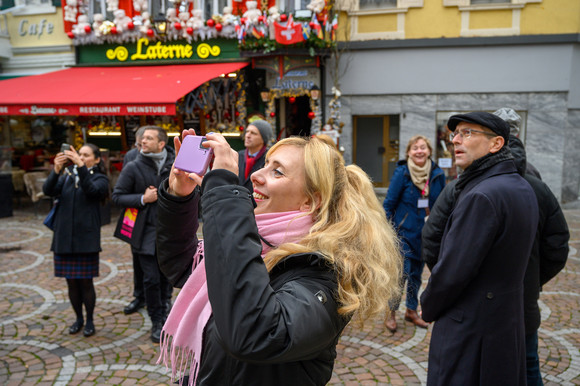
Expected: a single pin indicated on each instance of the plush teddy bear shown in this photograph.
(98, 20)
(183, 18)
(316, 6)
(253, 13)
(273, 16)
(79, 28)
(145, 22)
(112, 5)
(140, 5)
(196, 22)
(71, 11)
(121, 20)
(228, 23)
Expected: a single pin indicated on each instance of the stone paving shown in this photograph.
(35, 313)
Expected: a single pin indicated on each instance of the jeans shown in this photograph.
(412, 271)
(157, 288)
(533, 374)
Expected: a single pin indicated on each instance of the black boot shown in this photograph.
(134, 306)
(156, 332)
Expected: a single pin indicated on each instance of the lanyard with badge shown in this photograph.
(423, 202)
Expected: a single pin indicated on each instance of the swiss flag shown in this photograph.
(291, 33)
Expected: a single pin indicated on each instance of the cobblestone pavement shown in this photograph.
(35, 313)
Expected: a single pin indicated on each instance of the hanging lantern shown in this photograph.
(292, 99)
(272, 114)
(311, 115)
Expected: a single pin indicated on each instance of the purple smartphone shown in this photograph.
(193, 157)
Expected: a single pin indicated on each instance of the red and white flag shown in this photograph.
(291, 33)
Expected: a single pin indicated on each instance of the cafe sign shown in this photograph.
(146, 51)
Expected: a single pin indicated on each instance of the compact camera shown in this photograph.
(193, 157)
(64, 146)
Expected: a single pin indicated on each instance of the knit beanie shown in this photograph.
(264, 128)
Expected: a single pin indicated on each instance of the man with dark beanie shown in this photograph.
(257, 137)
(475, 292)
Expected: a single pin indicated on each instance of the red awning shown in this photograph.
(144, 90)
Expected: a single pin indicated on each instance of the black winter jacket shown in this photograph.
(550, 249)
(134, 179)
(77, 227)
(277, 328)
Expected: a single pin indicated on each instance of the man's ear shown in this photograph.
(496, 144)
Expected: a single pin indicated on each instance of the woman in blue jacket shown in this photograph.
(413, 189)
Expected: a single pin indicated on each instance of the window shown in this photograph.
(490, 1)
(377, 4)
(33, 7)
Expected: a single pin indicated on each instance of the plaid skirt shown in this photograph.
(77, 266)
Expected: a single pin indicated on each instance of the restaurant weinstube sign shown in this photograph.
(146, 51)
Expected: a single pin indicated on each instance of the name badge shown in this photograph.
(423, 203)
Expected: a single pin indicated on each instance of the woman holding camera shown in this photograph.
(76, 241)
(268, 292)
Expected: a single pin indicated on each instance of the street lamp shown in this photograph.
(315, 93)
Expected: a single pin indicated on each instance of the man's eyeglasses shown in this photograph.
(466, 133)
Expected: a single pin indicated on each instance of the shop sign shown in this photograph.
(296, 79)
(144, 51)
(154, 109)
(25, 27)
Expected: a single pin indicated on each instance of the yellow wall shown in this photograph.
(377, 23)
(490, 19)
(551, 17)
(35, 30)
(432, 21)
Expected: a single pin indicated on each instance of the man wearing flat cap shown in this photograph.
(475, 292)
(257, 136)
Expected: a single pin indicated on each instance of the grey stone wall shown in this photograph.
(552, 136)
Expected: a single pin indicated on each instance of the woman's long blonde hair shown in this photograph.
(350, 229)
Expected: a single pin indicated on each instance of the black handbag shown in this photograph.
(51, 216)
(130, 226)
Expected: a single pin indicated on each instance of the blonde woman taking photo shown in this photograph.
(279, 274)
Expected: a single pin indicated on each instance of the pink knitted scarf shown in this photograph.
(181, 338)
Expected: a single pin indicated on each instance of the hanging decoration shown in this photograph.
(266, 30)
(221, 101)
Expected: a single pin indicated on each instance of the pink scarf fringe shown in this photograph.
(181, 337)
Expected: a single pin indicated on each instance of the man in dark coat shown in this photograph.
(137, 188)
(257, 137)
(138, 301)
(548, 257)
(475, 292)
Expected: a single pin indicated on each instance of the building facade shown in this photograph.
(403, 67)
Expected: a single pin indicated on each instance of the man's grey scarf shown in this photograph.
(158, 158)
